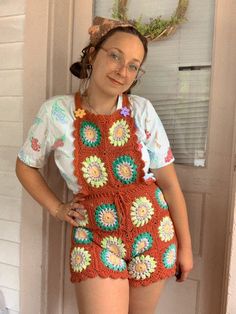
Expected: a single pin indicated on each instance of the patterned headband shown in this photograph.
(101, 26)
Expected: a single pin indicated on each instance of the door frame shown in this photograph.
(36, 225)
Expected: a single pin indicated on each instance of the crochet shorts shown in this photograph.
(130, 236)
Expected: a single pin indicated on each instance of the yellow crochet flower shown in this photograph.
(94, 171)
(119, 133)
(79, 113)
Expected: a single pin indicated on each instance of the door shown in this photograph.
(206, 187)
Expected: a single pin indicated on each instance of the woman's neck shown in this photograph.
(99, 102)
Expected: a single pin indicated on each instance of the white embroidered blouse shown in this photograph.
(52, 130)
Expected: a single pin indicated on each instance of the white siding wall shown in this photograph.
(11, 101)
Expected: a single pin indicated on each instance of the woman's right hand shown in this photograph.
(71, 211)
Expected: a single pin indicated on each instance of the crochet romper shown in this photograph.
(127, 231)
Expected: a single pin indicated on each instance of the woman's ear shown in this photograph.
(91, 55)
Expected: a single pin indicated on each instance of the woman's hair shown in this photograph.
(83, 69)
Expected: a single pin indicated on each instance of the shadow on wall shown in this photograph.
(3, 309)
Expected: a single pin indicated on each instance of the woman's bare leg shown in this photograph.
(102, 296)
(145, 299)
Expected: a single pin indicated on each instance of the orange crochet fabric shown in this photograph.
(127, 231)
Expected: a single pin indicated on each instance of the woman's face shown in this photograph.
(116, 64)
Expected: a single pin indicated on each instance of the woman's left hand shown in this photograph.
(184, 263)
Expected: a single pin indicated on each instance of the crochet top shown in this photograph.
(53, 127)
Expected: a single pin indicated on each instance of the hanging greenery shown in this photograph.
(157, 28)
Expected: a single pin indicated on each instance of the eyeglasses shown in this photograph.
(116, 59)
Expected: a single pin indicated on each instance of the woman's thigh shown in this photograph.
(100, 295)
(145, 299)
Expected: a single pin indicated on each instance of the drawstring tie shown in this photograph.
(121, 211)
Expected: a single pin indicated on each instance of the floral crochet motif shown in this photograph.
(169, 257)
(94, 171)
(160, 198)
(106, 217)
(82, 235)
(83, 222)
(141, 211)
(142, 243)
(119, 133)
(79, 113)
(124, 169)
(142, 266)
(125, 111)
(112, 261)
(166, 229)
(80, 259)
(114, 245)
(90, 134)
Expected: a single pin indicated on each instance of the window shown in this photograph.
(178, 73)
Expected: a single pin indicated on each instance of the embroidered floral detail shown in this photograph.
(160, 198)
(142, 243)
(90, 134)
(125, 111)
(169, 155)
(59, 113)
(124, 169)
(80, 259)
(35, 144)
(169, 257)
(141, 211)
(83, 222)
(106, 217)
(148, 134)
(59, 142)
(141, 267)
(166, 229)
(82, 235)
(79, 113)
(114, 245)
(37, 120)
(119, 133)
(112, 261)
(94, 171)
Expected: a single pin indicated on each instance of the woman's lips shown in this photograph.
(115, 81)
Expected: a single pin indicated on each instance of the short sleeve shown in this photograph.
(156, 139)
(38, 144)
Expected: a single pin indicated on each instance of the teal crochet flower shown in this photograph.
(82, 235)
(166, 229)
(114, 245)
(141, 211)
(106, 217)
(160, 199)
(80, 259)
(125, 169)
(90, 134)
(142, 243)
(141, 267)
(169, 257)
(112, 261)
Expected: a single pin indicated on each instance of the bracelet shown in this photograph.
(57, 210)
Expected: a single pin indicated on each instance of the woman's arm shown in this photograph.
(34, 183)
(168, 182)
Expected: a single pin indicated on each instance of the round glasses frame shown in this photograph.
(117, 58)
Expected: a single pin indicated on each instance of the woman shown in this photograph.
(113, 153)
